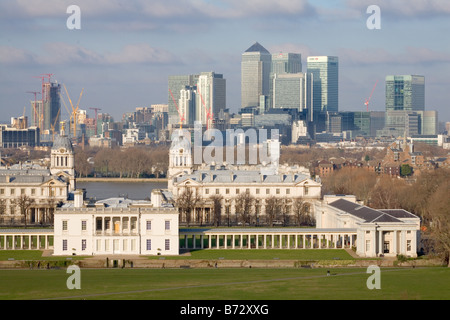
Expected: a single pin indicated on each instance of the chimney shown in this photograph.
(78, 198)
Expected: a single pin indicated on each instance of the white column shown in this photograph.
(233, 238)
(394, 242)
(209, 242)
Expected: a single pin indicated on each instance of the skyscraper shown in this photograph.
(211, 97)
(255, 75)
(176, 84)
(405, 92)
(325, 73)
(283, 63)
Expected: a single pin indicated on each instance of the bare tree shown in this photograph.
(301, 212)
(24, 203)
(2, 208)
(244, 206)
(217, 209)
(272, 208)
(186, 203)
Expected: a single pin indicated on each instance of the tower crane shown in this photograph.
(34, 107)
(74, 110)
(368, 100)
(208, 113)
(178, 110)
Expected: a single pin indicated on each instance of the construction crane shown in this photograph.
(95, 109)
(53, 125)
(74, 110)
(178, 110)
(208, 113)
(368, 100)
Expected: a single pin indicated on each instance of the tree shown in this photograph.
(217, 209)
(405, 170)
(272, 209)
(244, 206)
(2, 207)
(187, 202)
(24, 202)
(301, 212)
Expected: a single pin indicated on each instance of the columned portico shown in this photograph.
(268, 238)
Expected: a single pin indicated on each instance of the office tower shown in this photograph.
(282, 63)
(290, 90)
(210, 98)
(52, 108)
(405, 93)
(176, 84)
(186, 104)
(325, 73)
(429, 122)
(255, 75)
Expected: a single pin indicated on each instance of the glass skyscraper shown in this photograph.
(405, 92)
(325, 73)
(255, 75)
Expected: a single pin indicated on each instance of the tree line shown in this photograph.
(132, 162)
(426, 195)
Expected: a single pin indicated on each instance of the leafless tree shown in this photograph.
(217, 209)
(186, 203)
(272, 208)
(301, 212)
(244, 204)
(23, 203)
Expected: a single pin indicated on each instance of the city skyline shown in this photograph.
(125, 50)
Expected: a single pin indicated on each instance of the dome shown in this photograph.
(62, 142)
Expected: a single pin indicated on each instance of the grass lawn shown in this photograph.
(265, 254)
(227, 284)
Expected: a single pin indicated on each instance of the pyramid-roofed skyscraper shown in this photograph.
(255, 74)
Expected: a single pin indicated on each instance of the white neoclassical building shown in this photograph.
(46, 186)
(115, 226)
(387, 232)
(260, 182)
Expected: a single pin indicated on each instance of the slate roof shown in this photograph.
(240, 176)
(371, 215)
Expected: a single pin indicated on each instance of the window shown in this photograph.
(267, 191)
(13, 191)
(237, 191)
(22, 191)
(257, 191)
(217, 191)
(206, 191)
(83, 225)
(149, 244)
(83, 244)
(64, 245)
(149, 225)
(33, 192)
(408, 245)
(227, 191)
(2, 191)
(167, 225)
(288, 191)
(278, 191)
(167, 244)
(367, 245)
(64, 225)
(306, 191)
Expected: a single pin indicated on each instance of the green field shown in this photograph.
(226, 284)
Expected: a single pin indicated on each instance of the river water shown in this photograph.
(131, 190)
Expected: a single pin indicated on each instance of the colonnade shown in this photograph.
(266, 240)
(26, 241)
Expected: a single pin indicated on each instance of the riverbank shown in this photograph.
(122, 179)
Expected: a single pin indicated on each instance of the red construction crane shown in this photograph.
(367, 100)
(208, 113)
(178, 110)
(95, 109)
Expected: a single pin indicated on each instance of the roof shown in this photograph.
(240, 176)
(256, 47)
(371, 215)
(62, 142)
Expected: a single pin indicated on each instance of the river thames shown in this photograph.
(132, 190)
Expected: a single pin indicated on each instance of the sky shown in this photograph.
(126, 49)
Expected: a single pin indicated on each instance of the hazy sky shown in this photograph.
(125, 50)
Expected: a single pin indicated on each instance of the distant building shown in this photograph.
(15, 138)
(255, 75)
